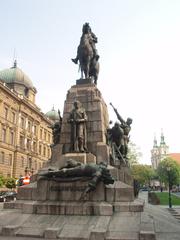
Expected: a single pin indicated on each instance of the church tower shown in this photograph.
(158, 153)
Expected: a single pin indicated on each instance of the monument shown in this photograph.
(88, 172)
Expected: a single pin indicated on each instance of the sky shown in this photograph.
(139, 48)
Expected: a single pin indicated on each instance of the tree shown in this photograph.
(134, 153)
(142, 173)
(10, 183)
(169, 167)
(2, 180)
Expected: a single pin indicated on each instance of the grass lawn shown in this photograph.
(164, 198)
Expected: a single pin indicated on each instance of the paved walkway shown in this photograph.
(166, 226)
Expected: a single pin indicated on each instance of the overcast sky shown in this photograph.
(139, 48)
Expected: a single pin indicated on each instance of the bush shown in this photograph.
(10, 183)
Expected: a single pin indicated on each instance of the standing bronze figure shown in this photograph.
(78, 119)
(87, 54)
(122, 139)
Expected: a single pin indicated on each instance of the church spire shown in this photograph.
(162, 138)
(15, 64)
(155, 142)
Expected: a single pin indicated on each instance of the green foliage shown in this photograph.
(134, 153)
(142, 173)
(164, 198)
(2, 180)
(172, 174)
(10, 183)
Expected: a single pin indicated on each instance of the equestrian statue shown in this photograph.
(87, 54)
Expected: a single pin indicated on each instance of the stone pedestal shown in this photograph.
(80, 157)
(97, 123)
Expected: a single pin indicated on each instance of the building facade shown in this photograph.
(25, 133)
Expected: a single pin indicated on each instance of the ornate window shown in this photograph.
(10, 160)
(22, 122)
(44, 151)
(28, 144)
(41, 133)
(3, 135)
(29, 126)
(11, 138)
(13, 117)
(2, 157)
(5, 112)
(22, 162)
(21, 141)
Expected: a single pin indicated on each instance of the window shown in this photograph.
(22, 162)
(35, 129)
(10, 160)
(2, 157)
(40, 149)
(3, 135)
(5, 112)
(48, 153)
(21, 141)
(39, 165)
(22, 122)
(45, 136)
(11, 138)
(35, 165)
(29, 126)
(49, 137)
(30, 163)
(44, 151)
(34, 146)
(28, 144)
(40, 133)
(13, 117)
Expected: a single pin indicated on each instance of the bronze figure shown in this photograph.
(87, 54)
(76, 171)
(120, 134)
(78, 119)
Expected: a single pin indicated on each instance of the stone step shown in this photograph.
(75, 208)
(34, 232)
(117, 235)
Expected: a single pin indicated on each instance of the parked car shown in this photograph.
(7, 196)
(145, 189)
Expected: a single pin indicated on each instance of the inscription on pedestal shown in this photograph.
(68, 188)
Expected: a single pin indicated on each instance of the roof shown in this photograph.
(15, 75)
(53, 115)
(175, 157)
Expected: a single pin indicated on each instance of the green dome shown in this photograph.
(15, 75)
(53, 115)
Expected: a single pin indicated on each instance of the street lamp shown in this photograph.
(169, 180)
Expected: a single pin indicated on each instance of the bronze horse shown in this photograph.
(85, 55)
(89, 64)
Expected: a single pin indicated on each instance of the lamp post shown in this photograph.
(169, 180)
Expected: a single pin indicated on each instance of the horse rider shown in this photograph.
(92, 41)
